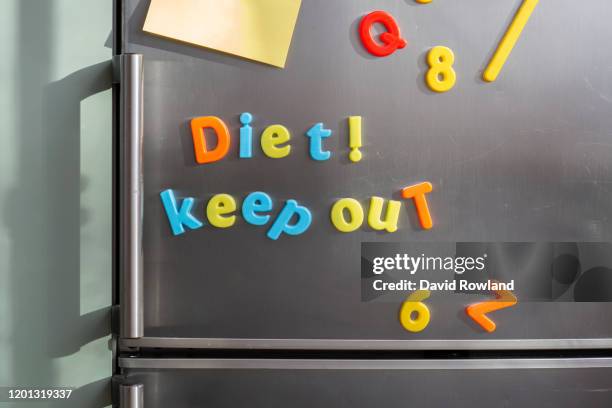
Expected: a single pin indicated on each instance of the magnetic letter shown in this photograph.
(273, 136)
(417, 193)
(291, 208)
(391, 216)
(391, 39)
(253, 203)
(217, 207)
(177, 218)
(202, 154)
(355, 211)
(246, 136)
(316, 135)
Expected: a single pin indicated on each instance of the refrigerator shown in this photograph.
(246, 266)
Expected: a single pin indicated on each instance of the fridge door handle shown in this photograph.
(129, 70)
(131, 396)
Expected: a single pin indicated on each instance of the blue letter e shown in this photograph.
(176, 217)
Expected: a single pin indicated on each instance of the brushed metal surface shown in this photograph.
(523, 159)
(131, 396)
(131, 214)
(378, 364)
(549, 387)
(352, 344)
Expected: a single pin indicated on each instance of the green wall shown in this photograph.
(55, 198)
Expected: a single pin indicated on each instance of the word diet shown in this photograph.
(346, 215)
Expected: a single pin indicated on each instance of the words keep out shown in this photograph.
(346, 215)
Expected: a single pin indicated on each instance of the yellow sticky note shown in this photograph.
(260, 30)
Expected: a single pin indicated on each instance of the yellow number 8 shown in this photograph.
(414, 305)
(441, 77)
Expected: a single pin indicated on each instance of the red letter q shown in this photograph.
(391, 39)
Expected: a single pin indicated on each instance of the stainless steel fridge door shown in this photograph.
(354, 383)
(526, 158)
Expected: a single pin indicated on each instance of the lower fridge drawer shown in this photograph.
(313, 383)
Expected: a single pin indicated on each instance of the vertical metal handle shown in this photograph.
(131, 396)
(130, 68)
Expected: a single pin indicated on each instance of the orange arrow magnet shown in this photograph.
(478, 311)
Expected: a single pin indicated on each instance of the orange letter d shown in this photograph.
(199, 139)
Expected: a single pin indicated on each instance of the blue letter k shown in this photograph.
(176, 217)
